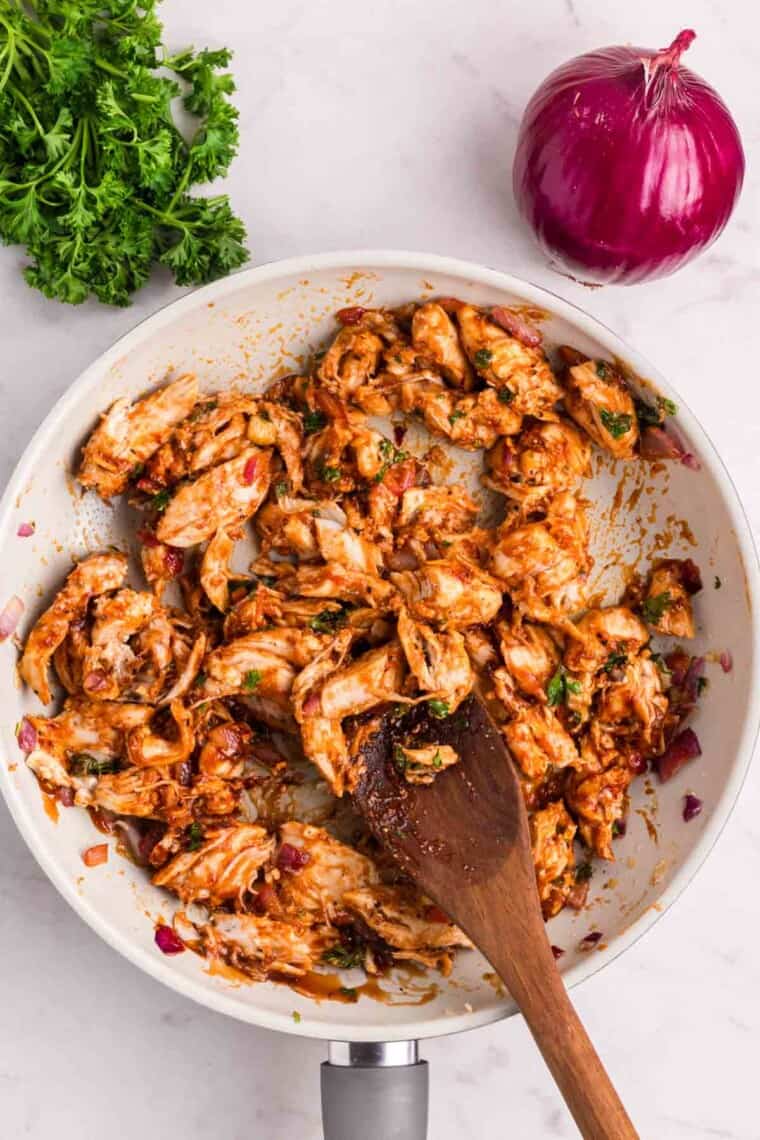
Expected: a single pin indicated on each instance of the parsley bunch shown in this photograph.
(94, 172)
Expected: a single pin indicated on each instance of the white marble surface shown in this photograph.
(393, 125)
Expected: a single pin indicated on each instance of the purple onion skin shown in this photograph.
(621, 181)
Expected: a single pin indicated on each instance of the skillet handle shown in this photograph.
(374, 1090)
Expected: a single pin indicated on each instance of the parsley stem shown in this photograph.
(19, 95)
(10, 51)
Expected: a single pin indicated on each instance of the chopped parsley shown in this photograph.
(616, 423)
(194, 836)
(200, 680)
(437, 760)
(329, 474)
(281, 488)
(266, 580)
(349, 992)
(160, 501)
(313, 421)
(296, 1017)
(560, 688)
(482, 358)
(702, 684)
(653, 608)
(438, 709)
(399, 758)
(602, 368)
(391, 455)
(455, 416)
(652, 415)
(251, 679)
(614, 661)
(344, 957)
(85, 765)
(583, 872)
(201, 410)
(505, 395)
(328, 621)
(661, 664)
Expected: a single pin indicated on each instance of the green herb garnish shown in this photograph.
(251, 679)
(439, 709)
(84, 765)
(95, 174)
(201, 410)
(281, 488)
(328, 621)
(329, 474)
(194, 836)
(602, 368)
(437, 760)
(296, 1017)
(616, 423)
(560, 688)
(160, 501)
(652, 415)
(344, 957)
(583, 872)
(505, 395)
(614, 661)
(482, 358)
(349, 992)
(653, 608)
(392, 455)
(313, 421)
(455, 416)
(399, 758)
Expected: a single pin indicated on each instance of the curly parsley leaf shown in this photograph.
(95, 175)
(560, 688)
(616, 423)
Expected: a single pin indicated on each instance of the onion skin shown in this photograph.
(627, 164)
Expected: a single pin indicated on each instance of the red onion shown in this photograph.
(290, 858)
(350, 316)
(557, 951)
(9, 618)
(726, 661)
(681, 749)
(174, 561)
(27, 736)
(516, 326)
(692, 806)
(65, 796)
(25, 530)
(591, 940)
(249, 471)
(168, 941)
(627, 164)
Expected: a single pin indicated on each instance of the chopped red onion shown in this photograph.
(132, 836)
(351, 315)
(9, 618)
(682, 748)
(726, 661)
(168, 941)
(660, 443)
(249, 471)
(174, 561)
(689, 460)
(678, 663)
(591, 939)
(399, 433)
(266, 899)
(95, 681)
(290, 858)
(692, 806)
(691, 578)
(516, 326)
(65, 796)
(637, 763)
(147, 537)
(27, 736)
(185, 773)
(26, 530)
(403, 559)
(149, 839)
(557, 951)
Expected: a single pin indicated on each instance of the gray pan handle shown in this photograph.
(374, 1091)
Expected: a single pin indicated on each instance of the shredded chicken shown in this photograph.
(225, 736)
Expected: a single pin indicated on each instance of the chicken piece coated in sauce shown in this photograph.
(599, 401)
(449, 592)
(92, 576)
(412, 927)
(422, 764)
(222, 869)
(508, 365)
(473, 421)
(603, 639)
(260, 946)
(667, 605)
(434, 336)
(545, 459)
(551, 836)
(439, 661)
(598, 801)
(323, 870)
(531, 656)
(537, 740)
(129, 434)
(634, 704)
(219, 499)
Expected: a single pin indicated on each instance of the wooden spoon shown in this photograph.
(465, 841)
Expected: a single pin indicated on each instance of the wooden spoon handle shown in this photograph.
(581, 1077)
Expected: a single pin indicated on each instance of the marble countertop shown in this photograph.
(392, 125)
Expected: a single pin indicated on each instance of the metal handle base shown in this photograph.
(374, 1090)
